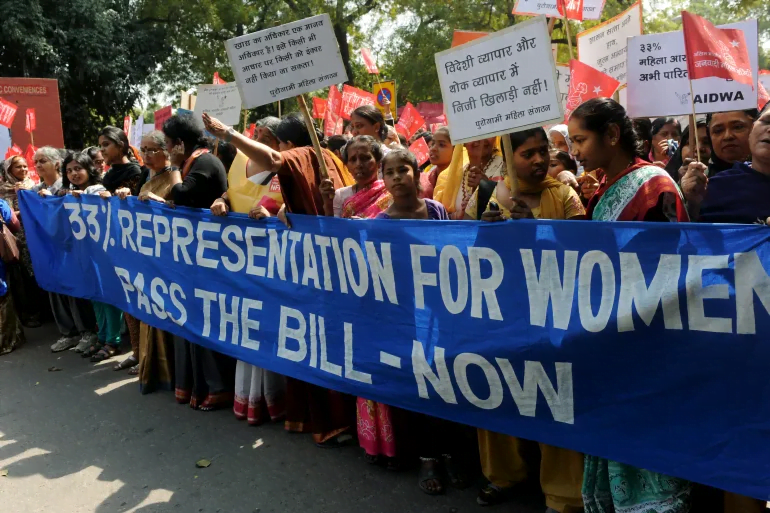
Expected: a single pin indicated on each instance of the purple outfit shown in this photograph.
(435, 211)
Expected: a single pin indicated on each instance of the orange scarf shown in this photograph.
(189, 162)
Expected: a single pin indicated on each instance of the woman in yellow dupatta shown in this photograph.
(471, 163)
(502, 456)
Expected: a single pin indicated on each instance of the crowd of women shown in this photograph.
(602, 165)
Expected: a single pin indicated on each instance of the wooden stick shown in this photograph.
(692, 121)
(279, 108)
(567, 30)
(313, 136)
(508, 150)
(693, 133)
(551, 23)
(216, 147)
(32, 137)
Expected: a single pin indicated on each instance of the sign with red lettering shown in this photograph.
(161, 116)
(7, 113)
(352, 98)
(31, 121)
(42, 95)
(410, 121)
(420, 150)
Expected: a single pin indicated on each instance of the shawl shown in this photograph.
(551, 202)
(122, 175)
(562, 129)
(368, 202)
(738, 195)
(8, 184)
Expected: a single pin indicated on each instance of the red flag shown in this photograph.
(161, 116)
(715, 52)
(352, 98)
(13, 151)
(31, 124)
(420, 150)
(249, 132)
(217, 79)
(127, 125)
(333, 106)
(460, 37)
(410, 121)
(319, 108)
(586, 83)
(762, 96)
(29, 156)
(574, 9)
(371, 64)
(7, 113)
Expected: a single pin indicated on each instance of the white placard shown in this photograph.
(623, 96)
(657, 69)
(286, 61)
(604, 46)
(501, 83)
(562, 81)
(592, 9)
(222, 101)
(137, 131)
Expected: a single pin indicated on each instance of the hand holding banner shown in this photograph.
(371, 64)
(420, 150)
(410, 121)
(586, 83)
(7, 113)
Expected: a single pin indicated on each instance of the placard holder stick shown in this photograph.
(313, 136)
(567, 31)
(693, 127)
(32, 137)
(693, 132)
(508, 150)
(551, 23)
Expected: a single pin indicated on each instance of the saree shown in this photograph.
(641, 192)
(11, 333)
(156, 347)
(260, 394)
(368, 202)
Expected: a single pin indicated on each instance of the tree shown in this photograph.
(99, 56)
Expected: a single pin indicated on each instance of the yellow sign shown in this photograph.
(386, 89)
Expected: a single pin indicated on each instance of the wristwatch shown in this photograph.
(230, 134)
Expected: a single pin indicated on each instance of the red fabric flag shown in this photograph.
(460, 37)
(31, 123)
(586, 83)
(410, 121)
(762, 96)
(29, 156)
(352, 98)
(249, 132)
(127, 125)
(574, 9)
(13, 151)
(217, 79)
(420, 150)
(319, 108)
(7, 113)
(333, 106)
(715, 52)
(371, 64)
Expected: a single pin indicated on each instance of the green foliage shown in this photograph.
(99, 56)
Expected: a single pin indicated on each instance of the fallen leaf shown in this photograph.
(54, 369)
(3, 473)
(202, 463)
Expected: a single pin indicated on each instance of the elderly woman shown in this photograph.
(28, 296)
(729, 133)
(74, 317)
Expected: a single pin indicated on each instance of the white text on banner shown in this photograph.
(657, 68)
(604, 46)
(221, 101)
(501, 83)
(286, 61)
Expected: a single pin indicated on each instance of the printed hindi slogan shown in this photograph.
(501, 83)
(592, 9)
(223, 101)
(657, 68)
(286, 61)
(604, 46)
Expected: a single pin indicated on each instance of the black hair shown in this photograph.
(91, 151)
(336, 142)
(659, 123)
(374, 146)
(402, 140)
(187, 129)
(427, 136)
(519, 138)
(752, 113)
(675, 162)
(410, 159)
(566, 161)
(117, 136)
(226, 152)
(373, 115)
(82, 158)
(293, 129)
(598, 114)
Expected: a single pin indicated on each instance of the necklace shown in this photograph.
(467, 191)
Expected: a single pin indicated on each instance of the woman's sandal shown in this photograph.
(105, 353)
(128, 363)
(134, 371)
(92, 350)
(491, 495)
(336, 442)
(458, 477)
(430, 473)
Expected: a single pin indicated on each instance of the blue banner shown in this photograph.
(637, 342)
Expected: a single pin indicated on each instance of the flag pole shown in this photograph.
(313, 136)
(508, 150)
(567, 30)
(692, 119)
